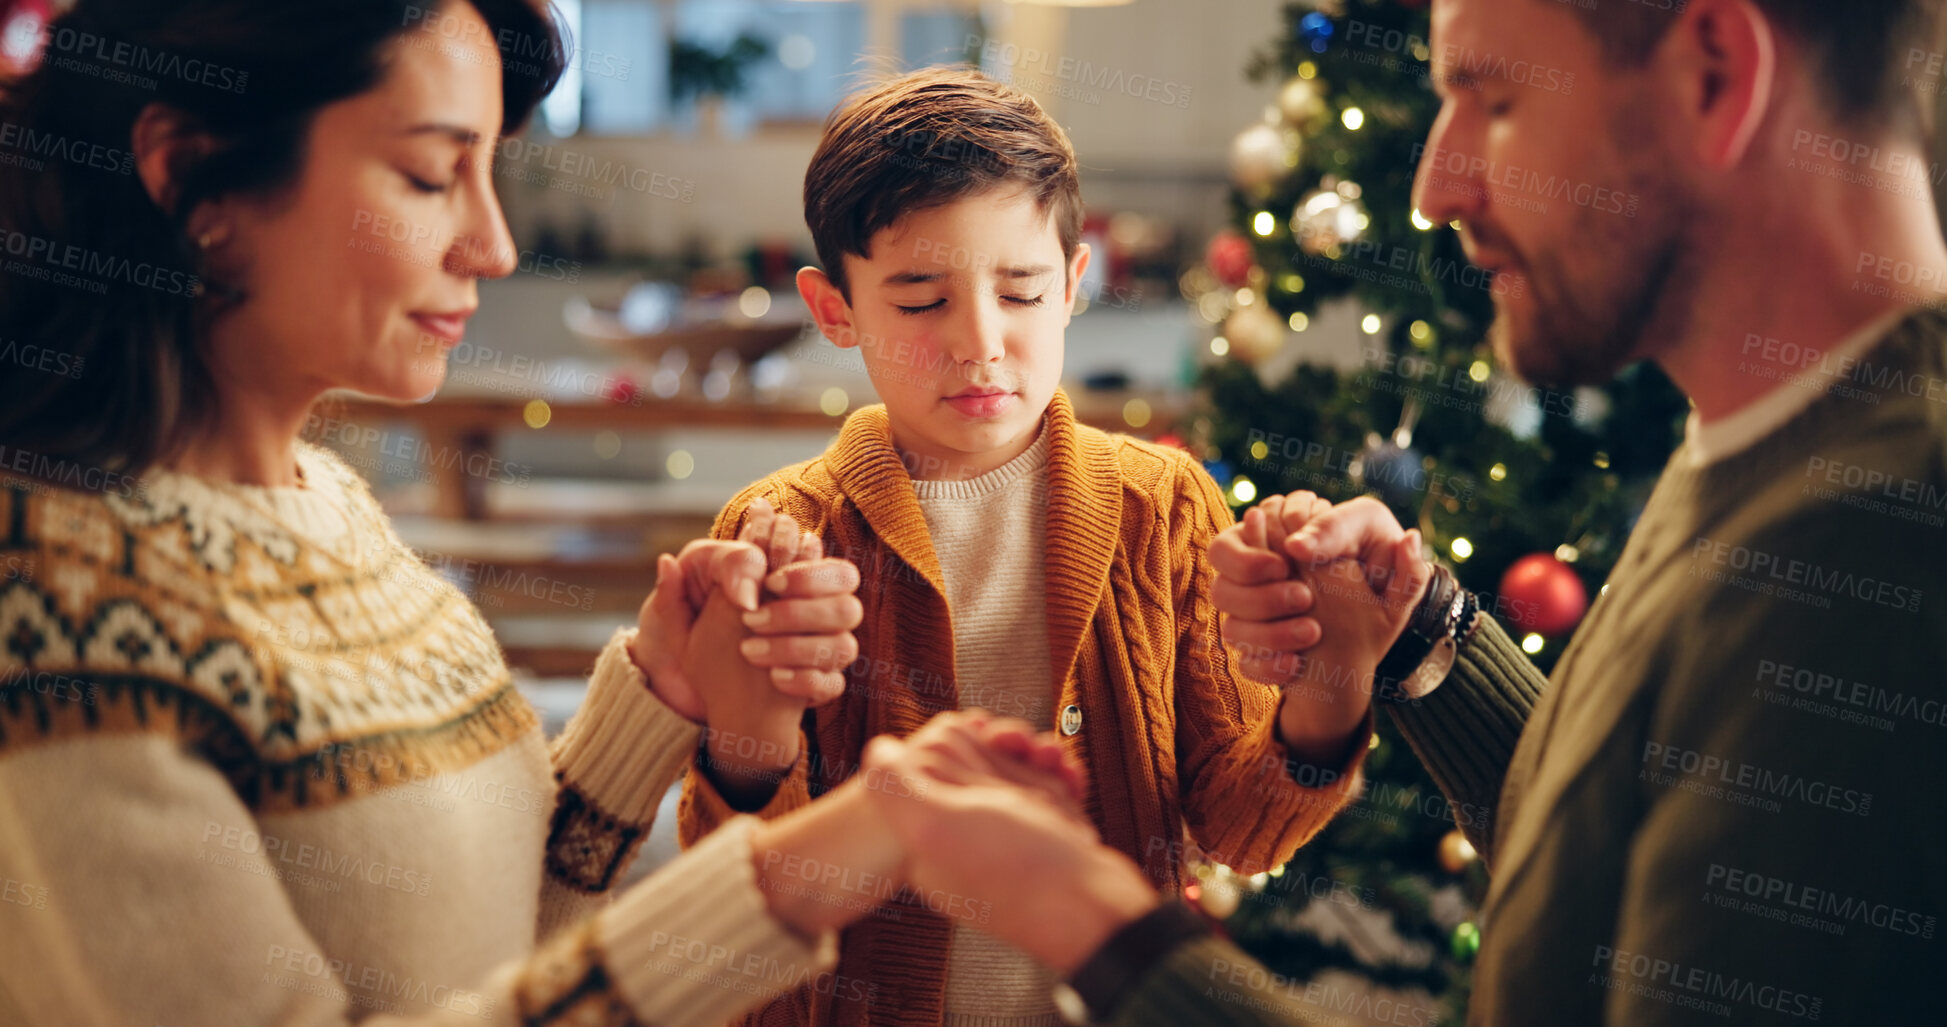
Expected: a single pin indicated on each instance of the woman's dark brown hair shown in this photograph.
(101, 290)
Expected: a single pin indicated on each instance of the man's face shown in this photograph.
(1551, 163)
(960, 312)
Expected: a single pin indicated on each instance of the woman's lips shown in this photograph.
(982, 404)
(447, 328)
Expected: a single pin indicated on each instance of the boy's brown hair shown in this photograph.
(929, 138)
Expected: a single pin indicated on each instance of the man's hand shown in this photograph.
(1356, 574)
(999, 830)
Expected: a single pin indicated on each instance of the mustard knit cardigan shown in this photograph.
(1171, 737)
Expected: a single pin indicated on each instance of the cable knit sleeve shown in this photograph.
(220, 941)
(613, 763)
(222, 801)
(1246, 802)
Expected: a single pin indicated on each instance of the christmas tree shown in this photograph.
(1528, 494)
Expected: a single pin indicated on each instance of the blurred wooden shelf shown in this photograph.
(464, 431)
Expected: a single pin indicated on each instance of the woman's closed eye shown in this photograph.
(424, 186)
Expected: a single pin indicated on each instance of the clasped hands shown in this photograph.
(1311, 597)
(742, 636)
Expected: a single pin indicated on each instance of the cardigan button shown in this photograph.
(1071, 720)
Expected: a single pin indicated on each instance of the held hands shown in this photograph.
(1312, 597)
(998, 829)
(744, 635)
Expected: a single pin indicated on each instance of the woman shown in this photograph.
(257, 763)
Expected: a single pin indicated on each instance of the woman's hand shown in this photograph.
(990, 817)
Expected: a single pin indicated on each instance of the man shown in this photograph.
(1723, 806)
(1722, 809)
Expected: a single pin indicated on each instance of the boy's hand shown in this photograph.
(715, 595)
(766, 665)
(1357, 608)
(1263, 603)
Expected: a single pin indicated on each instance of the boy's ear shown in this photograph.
(1077, 266)
(828, 307)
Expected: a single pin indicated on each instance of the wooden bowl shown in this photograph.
(750, 340)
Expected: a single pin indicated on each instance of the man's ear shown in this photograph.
(1729, 58)
(1077, 266)
(828, 307)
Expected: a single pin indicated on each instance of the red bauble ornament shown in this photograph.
(1543, 595)
(622, 390)
(1230, 258)
(1170, 439)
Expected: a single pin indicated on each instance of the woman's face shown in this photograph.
(363, 274)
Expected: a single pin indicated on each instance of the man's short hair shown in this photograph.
(1858, 47)
(926, 139)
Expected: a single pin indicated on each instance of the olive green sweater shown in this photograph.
(1724, 808)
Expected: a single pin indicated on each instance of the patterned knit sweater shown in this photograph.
(259, 764)
(1137, 676)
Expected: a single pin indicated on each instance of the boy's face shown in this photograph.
(959, 312)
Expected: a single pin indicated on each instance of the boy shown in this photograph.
(1011, 559)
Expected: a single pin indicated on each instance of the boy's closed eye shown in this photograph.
(940, 304)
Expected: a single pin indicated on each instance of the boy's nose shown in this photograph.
(981, 336)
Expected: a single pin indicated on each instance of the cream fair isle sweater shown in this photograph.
(989, 533)
(261, 765)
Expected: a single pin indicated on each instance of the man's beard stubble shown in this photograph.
(1635, 290)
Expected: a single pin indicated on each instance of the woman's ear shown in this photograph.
(828, 307)
(166, 144)
(163, 143)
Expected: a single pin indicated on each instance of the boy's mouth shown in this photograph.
(981, 402)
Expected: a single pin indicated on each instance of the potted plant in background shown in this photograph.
(710, 75)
